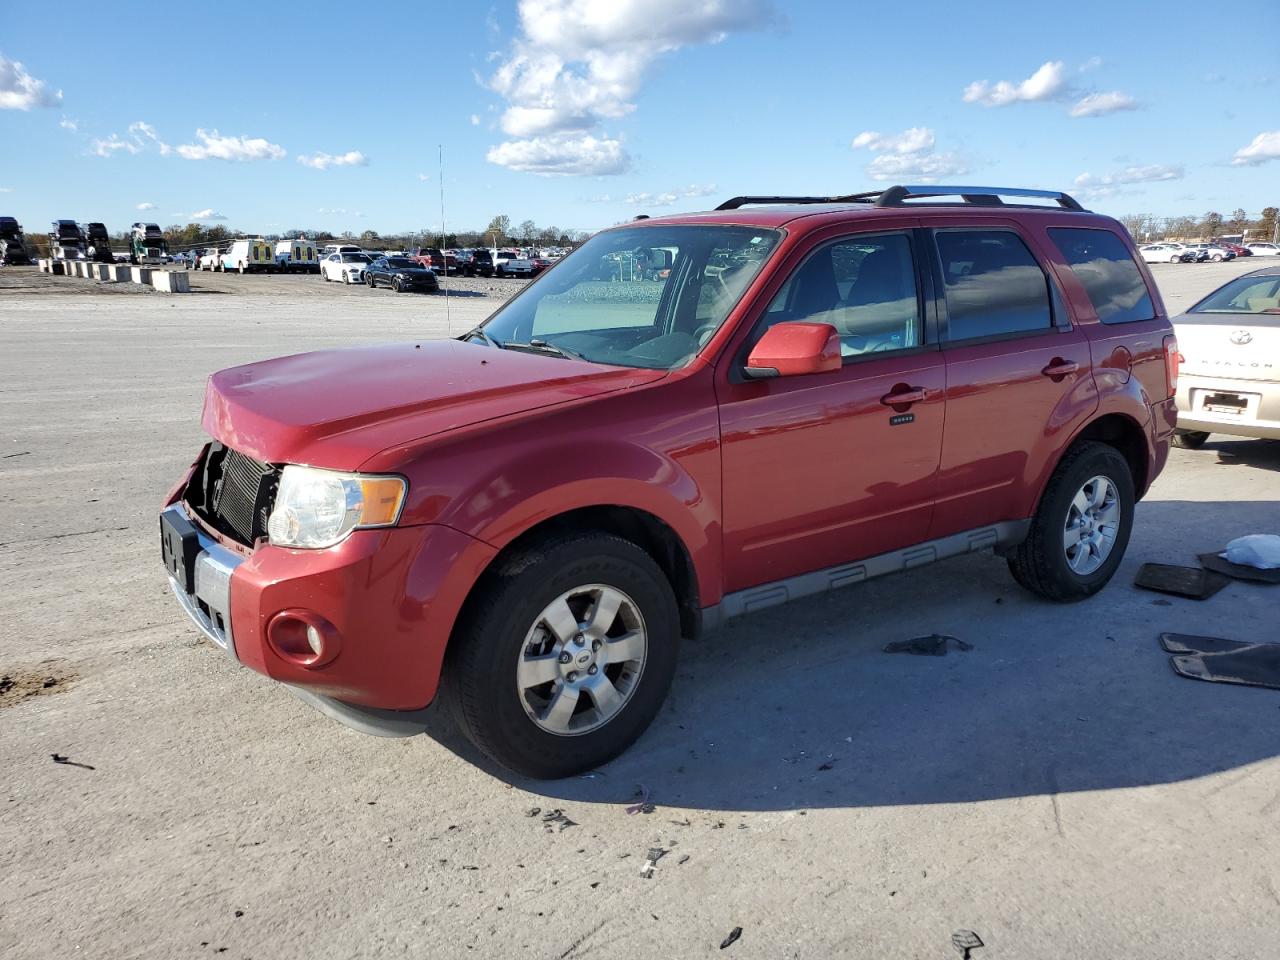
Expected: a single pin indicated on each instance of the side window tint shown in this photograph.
(1101, 262)
(993, 283)
(863, 286)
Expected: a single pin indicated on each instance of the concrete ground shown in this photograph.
(1057, 789)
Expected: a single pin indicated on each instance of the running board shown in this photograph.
(753, 599)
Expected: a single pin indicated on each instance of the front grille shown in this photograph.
(234, 493)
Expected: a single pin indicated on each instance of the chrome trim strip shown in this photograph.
(210, 606)
(765, 595)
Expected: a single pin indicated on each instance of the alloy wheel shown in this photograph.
(1093, 522)
(581, 660)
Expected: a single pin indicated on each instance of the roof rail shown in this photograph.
(897, 195)
(981, 196)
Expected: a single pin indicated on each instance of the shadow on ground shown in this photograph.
(1264, 454)
(799, 707)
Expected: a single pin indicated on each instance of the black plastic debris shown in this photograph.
(533, 811)
(934, 645)
(555, 821)
(964, 941)
(1219, 660)
(642, 802)
(67, 761)
(1194, 583)
(731, 939)
(1238, 571)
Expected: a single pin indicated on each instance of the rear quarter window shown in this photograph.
(1101, 262)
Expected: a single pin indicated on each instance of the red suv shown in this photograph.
(532, 517)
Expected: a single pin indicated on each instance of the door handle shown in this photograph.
(1059, 368)
(904, 396)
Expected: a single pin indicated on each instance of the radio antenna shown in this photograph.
(448, 322)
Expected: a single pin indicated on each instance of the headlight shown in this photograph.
(319, 508)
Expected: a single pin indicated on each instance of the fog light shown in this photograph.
(303, 637)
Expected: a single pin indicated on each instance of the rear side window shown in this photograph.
(994, 285)
(1101, 262)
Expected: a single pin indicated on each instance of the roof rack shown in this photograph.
(897, 196)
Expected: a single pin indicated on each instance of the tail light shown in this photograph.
(1172, 361)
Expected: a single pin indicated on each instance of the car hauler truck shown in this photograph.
(147, 244)
(98, 243)
(13, 246)
(66, 241)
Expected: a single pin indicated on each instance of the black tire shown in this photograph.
(370, 282)
(1191, 440)
(1039, 563)
(397, 286)
(480, 667)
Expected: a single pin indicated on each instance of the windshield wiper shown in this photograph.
(542, 346)
(479, 332)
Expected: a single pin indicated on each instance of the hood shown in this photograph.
(1241, 346)
(337, 408)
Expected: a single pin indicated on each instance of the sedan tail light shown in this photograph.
(1172, 361)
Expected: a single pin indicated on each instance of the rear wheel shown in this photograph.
(1081, 528)
(566, 656)
(1191, 439)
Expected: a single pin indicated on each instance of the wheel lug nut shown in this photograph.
(592, 669)
(579, 639)
(565, 658)
(573, 675)
(595, 645)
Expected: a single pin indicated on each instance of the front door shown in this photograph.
(825, 468)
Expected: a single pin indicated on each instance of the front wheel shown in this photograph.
(1081, 528)
(1191, 439)
(397, 286)
(565, 656)
(369, 281)
(346, 278)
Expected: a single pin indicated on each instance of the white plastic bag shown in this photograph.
(1261, 550)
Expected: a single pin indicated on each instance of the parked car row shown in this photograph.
(1169, 251)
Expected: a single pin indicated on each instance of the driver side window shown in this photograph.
(864, 286)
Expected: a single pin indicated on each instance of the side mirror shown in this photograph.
(793, 349)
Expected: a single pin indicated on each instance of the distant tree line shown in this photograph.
(499, 233)
(1147, 226)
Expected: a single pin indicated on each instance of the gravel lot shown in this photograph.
(1057, 789)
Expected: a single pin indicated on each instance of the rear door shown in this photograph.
(824, 468)
(1017, 372)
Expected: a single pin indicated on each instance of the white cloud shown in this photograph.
(146, 206)
(1100, 104)
(913, 140)
(323, 161)
(6, 189)
(142, 132)
(213, 146)
(339, 211)
(1047, 83)
(1145, 174)
(1093, 63)
(21, 91)
(66, 123)
(669, 197)
(562, 155)
(424, 177)
(1264, 148)
(578, 63)
(113, 144)
(475, 120)
(209, 214)
(908, 156)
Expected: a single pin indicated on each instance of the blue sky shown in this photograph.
(582, 113)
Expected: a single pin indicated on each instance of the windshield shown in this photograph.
(356, 258)
(402, 263)
(1244, 295)
(639, 296)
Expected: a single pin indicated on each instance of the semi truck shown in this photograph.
(98, 243)
(147, 244)
(66, 241)
(13, 246)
